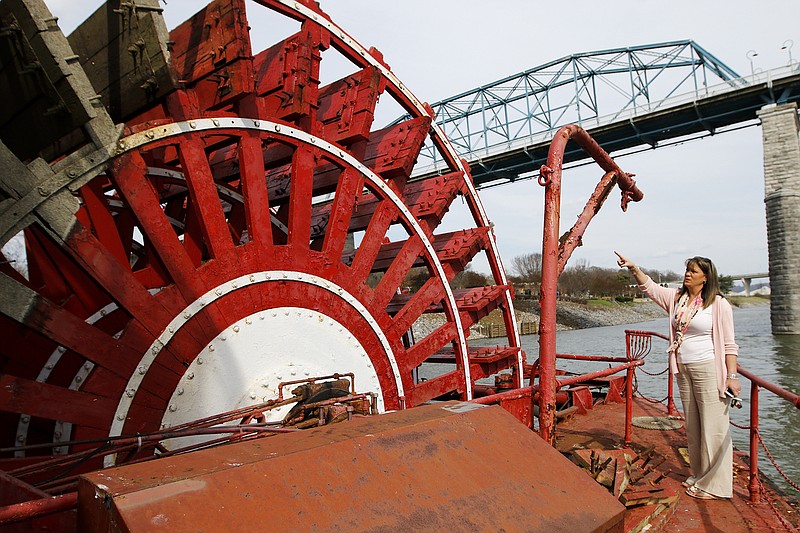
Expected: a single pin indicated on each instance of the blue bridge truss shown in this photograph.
(627, 98)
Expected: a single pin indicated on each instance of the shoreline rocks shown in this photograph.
(608, 313)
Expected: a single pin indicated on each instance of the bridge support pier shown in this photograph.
(781, 130)
(746, 283)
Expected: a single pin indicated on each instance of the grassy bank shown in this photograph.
(748, 301)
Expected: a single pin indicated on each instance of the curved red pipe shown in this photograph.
(552, 261)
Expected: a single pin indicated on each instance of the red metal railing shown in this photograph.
(757, 383)
(29, 510)
(626, 365)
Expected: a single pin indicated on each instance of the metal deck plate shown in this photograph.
(431, 468)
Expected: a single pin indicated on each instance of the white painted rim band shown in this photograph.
(126, 401)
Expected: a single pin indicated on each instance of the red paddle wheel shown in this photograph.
(202, 223)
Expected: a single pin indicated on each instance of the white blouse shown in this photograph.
(697, 345)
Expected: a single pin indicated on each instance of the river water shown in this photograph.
(775, 358)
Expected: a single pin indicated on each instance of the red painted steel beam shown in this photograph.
(431, 293)
(550, 178)
(754, 486)
(599, 374)
(604, 358)
(524, 392)
(574, 237)
(395, 273)
(19, 512)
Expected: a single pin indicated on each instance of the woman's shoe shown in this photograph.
(700, 494)
(689, 482)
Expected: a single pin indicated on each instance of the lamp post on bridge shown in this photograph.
(750, 55)
(787, 45)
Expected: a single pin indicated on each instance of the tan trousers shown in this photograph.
(708, 428)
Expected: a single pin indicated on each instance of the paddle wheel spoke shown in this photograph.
(392, 280)
(205, 201)
(337, 216)
(66, 329)
(193, 234)
(254, 192)
(54, 403)
(129, 173)
(374, 235)
(102, 221)
(302, 188)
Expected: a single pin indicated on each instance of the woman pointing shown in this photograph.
(702, 354)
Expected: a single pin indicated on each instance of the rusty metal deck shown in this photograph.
(602, 428)
(451, 466)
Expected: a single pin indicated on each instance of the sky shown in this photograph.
(703, 197)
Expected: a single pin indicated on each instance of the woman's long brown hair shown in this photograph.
(711, 287)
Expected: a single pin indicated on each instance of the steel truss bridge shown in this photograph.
(627, 98)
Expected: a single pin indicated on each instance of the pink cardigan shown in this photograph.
(721, 329)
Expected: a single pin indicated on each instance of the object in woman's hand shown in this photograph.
(735, 402)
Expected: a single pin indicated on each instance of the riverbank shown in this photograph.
(574, 315)
(599, 313)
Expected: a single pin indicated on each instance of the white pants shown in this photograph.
(708, 428)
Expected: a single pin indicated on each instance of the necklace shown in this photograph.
(684, 312)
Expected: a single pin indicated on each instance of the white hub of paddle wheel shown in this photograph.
(246, 363)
